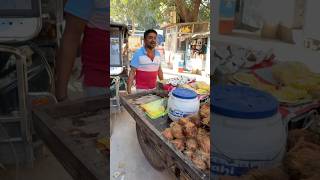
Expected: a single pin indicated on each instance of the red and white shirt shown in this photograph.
(146, 68)
(95, 45)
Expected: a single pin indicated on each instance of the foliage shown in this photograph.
(151, 13)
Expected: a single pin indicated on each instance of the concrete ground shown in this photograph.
(45, 168)
(127, 162)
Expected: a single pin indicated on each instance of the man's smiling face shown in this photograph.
(151, 40)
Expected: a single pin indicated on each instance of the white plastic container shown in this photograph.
(181, 103)
(247, 131)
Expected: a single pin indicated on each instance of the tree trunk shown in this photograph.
(195, 10)
(188, 14)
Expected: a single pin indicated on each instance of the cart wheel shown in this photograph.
(148, 150)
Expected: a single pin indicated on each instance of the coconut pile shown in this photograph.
(191, 136)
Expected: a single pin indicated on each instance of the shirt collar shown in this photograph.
(145, 50)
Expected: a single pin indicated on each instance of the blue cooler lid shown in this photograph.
(242, 102)
(184, 93)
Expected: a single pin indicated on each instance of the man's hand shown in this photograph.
(129, 91)
(132, 75)
(160, 73)
(63, 99)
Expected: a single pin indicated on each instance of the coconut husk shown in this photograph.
(303, 161)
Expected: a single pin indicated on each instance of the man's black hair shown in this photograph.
(147, 32)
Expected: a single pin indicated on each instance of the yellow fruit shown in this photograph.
(290, 94)
(186, 86)
(315, 92)
(245, 78)
(202, 85)
(289, 73)
(202, 91)
(306, 83)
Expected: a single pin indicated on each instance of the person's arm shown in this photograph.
(134, 64)
(160, 73)
(131, 77)
(67, 54)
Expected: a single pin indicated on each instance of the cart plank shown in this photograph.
(71, 129)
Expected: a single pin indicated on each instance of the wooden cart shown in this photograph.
(71, 129)
(160, 153)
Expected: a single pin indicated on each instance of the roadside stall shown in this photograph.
(199, 54)
(173, 126)
(77, 131)
(184, 48)
(267, 84)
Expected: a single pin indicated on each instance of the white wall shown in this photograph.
(271, 11)
(312, 15)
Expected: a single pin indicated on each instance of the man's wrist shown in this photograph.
(63, 98)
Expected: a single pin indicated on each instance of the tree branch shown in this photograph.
(188, 14)
(205, 5)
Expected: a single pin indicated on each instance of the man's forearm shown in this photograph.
(67, 54)
(65, 60)
(129, 86)
(130, 80)
(160, 74)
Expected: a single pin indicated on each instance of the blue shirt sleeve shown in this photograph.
(82, 9)
(135, 60)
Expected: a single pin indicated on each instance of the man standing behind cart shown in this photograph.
(145, 64)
